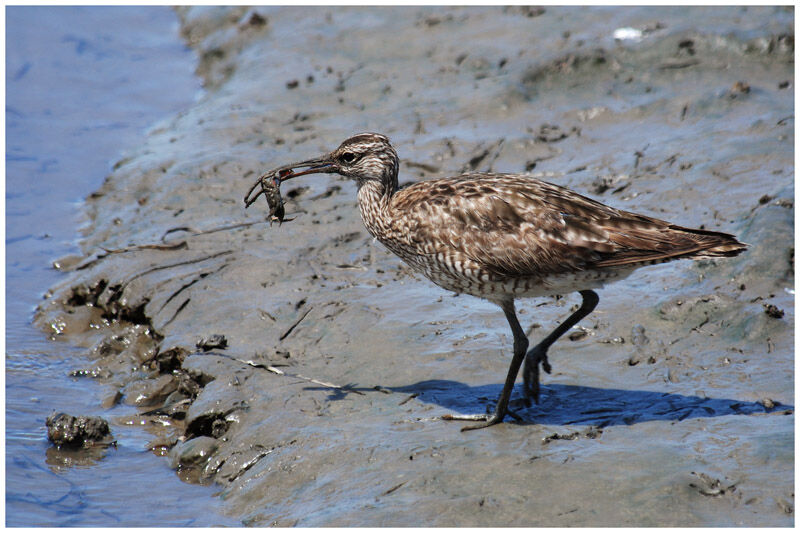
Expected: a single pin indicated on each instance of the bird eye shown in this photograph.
(348, 157)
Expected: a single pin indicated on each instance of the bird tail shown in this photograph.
(669, 242)
(713, 243)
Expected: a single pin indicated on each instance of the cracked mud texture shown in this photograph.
(672, 405)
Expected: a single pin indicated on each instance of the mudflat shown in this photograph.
(303, 368)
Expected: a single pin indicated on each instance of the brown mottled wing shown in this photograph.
(514, 225)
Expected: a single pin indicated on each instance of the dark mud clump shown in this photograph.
(773, 311)
(77, 431)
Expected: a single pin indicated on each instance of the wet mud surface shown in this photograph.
(302, 368)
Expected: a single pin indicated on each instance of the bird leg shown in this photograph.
(538, 354)
(520, 346)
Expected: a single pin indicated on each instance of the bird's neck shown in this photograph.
(374, 198)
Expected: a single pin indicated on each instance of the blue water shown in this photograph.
(82, 84)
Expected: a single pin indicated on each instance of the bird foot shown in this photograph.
(486, 420)
(530, 373)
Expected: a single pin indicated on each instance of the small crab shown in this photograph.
(270, 183)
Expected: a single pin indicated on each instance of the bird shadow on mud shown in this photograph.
(572, 404)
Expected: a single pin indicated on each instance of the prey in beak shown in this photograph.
(269, 184)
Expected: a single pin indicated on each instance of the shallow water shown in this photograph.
(82, 84)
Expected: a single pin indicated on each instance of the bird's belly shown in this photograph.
(575, 281)
(476, 282)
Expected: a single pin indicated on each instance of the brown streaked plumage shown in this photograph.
(505, 236)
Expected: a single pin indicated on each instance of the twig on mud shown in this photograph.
(291, 328)
(187, 285)
(411, 397)
(394, 488)
(278, 371)
(301, 377)
(328, 385)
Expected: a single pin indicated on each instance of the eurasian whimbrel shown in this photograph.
(502, 237)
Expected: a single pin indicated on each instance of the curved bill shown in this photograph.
(321, 165)
(273, 178)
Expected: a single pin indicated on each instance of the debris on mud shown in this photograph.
(709, 486)
(214, 342)
(739, 88)
(591, 433)
(773, 311)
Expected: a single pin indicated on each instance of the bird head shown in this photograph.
(363, 157)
